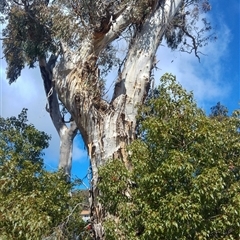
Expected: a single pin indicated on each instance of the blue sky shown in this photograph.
(215, 79)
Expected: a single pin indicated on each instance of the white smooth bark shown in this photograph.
(67, 135)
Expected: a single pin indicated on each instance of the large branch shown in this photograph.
(65, 133)
(54, 111)
(135, 76)
(120, 20)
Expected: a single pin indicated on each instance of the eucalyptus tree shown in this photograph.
(74, 44)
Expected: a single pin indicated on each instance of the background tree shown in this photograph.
(71, 39)
(34, 202)
(184, 180)
(21, 140)
(219, 111)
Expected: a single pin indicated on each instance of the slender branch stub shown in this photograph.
(77, 101)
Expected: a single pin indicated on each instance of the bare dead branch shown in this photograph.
(195, 45)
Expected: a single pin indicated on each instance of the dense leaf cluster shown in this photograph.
(34, 202)
(33, 29)
(27, 36)
(185, 174)
(21, 140)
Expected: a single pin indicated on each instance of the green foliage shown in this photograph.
(34, 202)
(184, 179)
(33, 30)
(21, 140)
(26, 37)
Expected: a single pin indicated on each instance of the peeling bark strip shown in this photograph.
(107, 128)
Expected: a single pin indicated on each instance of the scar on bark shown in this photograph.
(105, 26)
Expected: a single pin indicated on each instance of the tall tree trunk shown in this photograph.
(107, 128)
(66, 134)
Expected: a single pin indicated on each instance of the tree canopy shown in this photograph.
(39, 28)
(184, 178)
(35, 203)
